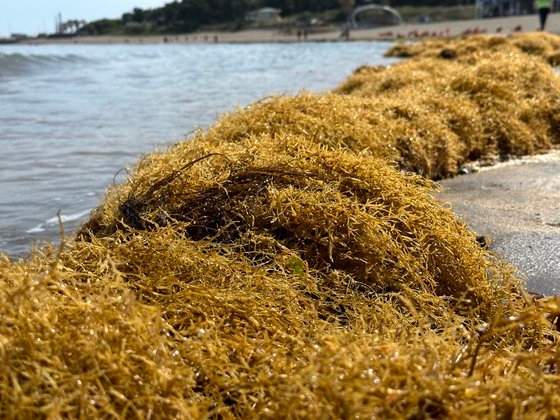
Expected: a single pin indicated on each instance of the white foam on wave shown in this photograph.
(67, 218)
(37, 229)
(55, 220)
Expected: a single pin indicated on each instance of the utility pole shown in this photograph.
(58, 23)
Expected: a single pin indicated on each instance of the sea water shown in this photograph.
(72, 116)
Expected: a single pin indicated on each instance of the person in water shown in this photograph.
(543, 8)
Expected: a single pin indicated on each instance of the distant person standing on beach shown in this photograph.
(543, 8)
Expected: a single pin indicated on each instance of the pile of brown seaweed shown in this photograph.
(541, 44)
(430, 115)
(281, 265)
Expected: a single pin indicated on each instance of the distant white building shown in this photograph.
(265, 14)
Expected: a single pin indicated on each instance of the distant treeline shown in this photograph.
(189, 15)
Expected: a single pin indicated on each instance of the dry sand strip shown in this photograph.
(503, 25)
(516, 206)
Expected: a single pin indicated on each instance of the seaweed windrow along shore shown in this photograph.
(293, 261)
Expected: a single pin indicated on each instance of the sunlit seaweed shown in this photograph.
(288, 263)
(497, 103)
(540, 44)
(428, 115)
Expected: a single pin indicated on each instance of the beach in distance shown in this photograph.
(501, 25)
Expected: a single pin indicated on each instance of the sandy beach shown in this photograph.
(502, 25)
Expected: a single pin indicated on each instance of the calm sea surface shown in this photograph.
(71, 116)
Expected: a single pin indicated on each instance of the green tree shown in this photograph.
(138, 15)
(102, 27)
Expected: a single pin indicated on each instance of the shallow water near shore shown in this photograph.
(72, 116)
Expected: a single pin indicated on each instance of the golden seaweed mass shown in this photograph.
(292, 262)
(428, 114)
(543, 45)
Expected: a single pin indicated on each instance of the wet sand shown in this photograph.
(516, 206)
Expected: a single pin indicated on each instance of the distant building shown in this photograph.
(265, 14)
(18, 36)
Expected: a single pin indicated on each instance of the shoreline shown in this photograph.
(500, 25)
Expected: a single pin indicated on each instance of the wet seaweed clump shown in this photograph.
(500, 104)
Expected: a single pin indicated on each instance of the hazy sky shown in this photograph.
(34, 16)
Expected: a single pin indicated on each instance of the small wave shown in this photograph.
(17, 63)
